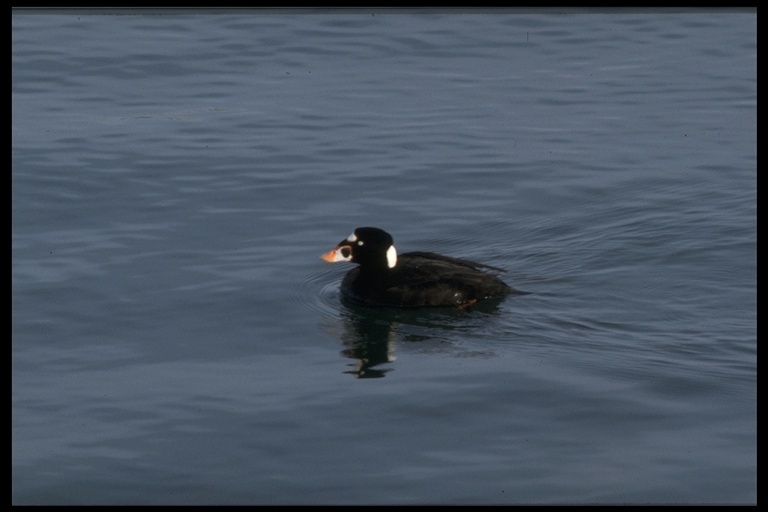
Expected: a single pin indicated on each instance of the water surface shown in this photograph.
(176, 339)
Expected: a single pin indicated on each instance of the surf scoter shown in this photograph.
(410, 280)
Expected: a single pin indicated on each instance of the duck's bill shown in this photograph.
(329, 256)
(340, 253)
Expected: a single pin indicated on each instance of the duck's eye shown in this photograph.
(346, 251)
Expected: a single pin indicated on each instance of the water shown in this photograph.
(176, 339)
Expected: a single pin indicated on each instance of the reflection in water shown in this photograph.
(370, 340)
(370, 334)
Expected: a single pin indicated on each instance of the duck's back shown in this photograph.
(425, 279)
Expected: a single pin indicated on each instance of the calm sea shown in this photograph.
(176, 175)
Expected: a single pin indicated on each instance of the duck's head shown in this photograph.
(365, 246)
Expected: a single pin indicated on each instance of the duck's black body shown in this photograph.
(423, 279)
(410, 280)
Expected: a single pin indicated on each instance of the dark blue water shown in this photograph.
(177, 340)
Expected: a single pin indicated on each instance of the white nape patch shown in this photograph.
(352, 238)
(391, 257)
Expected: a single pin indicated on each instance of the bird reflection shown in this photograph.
(370, 335)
